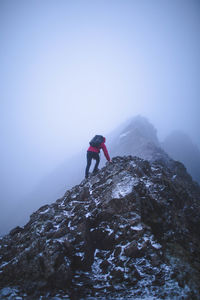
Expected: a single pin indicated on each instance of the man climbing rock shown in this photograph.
(96, 144)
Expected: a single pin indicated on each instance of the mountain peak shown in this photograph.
(141, 127)
(138, 138)
(132, 230)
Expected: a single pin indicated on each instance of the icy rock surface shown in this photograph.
(130, 232)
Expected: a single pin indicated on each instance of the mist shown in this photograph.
(71, 69)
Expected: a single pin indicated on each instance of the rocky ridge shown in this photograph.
(129, 232)
(138, 138)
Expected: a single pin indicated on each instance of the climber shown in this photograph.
(96, 144)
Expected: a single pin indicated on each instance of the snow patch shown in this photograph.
(156, 245)
(70, 226)
(80, 254)
(56, 227)
(44, 212)
(109, 230)
(132, 164)
(109, 181)
(67, 213)
(4, 264)
(123, 188)
(14, 260)
(88, 215)
(148, 184)
(138, 227)
(124, 134)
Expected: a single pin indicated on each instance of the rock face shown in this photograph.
(130, 232)
(138, 138)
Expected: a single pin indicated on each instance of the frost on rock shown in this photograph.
(114, 236)
(139, 227)
(124, 188)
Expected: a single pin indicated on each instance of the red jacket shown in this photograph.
(97, 149)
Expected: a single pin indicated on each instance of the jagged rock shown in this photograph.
(16, 230)
(130, 231)
(138, 138)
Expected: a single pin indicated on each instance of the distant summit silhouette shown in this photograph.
(138, 138)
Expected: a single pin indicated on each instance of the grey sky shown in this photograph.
(70, 69)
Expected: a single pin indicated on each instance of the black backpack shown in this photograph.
(96, 141)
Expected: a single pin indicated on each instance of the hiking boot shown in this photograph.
(95, 171)
(87, 175)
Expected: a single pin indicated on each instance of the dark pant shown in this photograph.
(92, 155)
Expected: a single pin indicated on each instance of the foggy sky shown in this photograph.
(70, 69)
